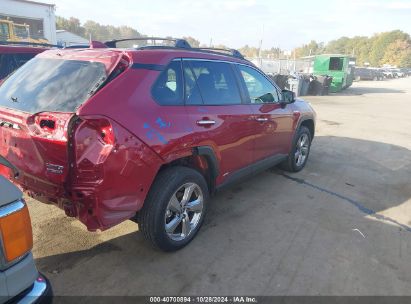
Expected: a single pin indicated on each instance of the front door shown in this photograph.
(275, 123)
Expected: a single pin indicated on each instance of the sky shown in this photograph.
(235, 23)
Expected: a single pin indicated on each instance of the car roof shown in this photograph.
(160, 56)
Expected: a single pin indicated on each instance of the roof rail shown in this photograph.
(24, 43)
(232, 52)
(92, 45)
(178, 43)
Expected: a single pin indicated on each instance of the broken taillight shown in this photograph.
(51, 126)
(104, 128)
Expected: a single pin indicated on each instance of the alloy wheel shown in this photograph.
(184, 211)
(301, 151)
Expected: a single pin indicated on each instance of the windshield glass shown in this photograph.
(44, 84)
(21, 31)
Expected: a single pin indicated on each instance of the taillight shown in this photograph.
(104, 129)
(16, 233)
(51, 126)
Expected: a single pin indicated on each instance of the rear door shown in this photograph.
(219, 115)
(275, 123)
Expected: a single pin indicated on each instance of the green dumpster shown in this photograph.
(335, 65)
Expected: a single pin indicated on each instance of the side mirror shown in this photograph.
(288, 97)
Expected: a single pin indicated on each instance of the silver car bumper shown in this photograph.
(40, 292)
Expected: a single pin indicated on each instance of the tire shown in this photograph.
(159, 212)
(291, 164)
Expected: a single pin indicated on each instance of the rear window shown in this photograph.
(44, 84)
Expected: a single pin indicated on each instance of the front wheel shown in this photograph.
(175, 208)
(299, 153)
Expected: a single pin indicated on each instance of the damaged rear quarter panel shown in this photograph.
(110, 182)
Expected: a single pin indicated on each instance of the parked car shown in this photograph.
(146, 133)
(367, 74)
(378, 73)
(20, 282)
(388, 74)
(398, 73)
(12, 57)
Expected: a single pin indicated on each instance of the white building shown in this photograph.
(39, 16)
(66, 38)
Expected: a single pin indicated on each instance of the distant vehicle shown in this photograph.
(185, 123)
(20, 282)
(367, 74)
(14, 32)
(397, 73)
(12, 57)
(388, 74)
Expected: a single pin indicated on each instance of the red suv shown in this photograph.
(13, 57)
(146, 133)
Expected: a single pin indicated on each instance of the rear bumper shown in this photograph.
(39, 292)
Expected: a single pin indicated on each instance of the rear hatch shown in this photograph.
(38, 102)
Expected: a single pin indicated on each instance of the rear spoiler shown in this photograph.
(8, 164)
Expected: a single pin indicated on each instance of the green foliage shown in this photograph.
(384, 48)
(312, 48)
(398, 53)
(96, 30)
(192, 41)
(392, 48)
(72, 25)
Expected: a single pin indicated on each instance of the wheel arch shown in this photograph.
(309, 123)
(202, 159)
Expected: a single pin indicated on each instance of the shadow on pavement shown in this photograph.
(270, 234)
(363, 89)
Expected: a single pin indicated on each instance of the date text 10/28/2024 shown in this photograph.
(203, 300)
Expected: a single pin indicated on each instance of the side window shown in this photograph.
(4, 31)
(192, 93)
(216, 83)
(336, 64)
(260, 89)
(168, 88)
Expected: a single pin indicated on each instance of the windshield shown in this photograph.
(21, 31)
(44, 84)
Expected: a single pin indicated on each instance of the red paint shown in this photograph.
(110, 151)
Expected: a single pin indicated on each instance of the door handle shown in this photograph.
(261, 119)
(205, 122)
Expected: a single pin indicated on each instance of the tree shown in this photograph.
(382, 41)
(398, 53)
(312, 48)
(72, 25)
(192, 41)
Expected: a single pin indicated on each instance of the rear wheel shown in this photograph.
(175, 208)
(299, 153)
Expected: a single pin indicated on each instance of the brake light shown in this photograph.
(16, 233)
